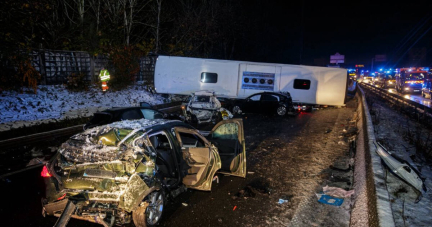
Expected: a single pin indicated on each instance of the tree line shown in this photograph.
(123, 28)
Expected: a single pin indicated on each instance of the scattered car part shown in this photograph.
(401, 169)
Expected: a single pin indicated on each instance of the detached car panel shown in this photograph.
(123, 171)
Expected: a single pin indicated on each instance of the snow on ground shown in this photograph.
(55, 102)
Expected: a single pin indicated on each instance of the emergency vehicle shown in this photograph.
(410, 80)
(385, 79)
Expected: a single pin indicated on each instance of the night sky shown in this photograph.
(357, 29)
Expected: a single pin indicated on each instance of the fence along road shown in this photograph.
(55, 66)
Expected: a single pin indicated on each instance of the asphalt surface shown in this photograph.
(288, 158)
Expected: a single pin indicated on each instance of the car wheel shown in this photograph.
(236, 110)
(281, 110)
(149, 213)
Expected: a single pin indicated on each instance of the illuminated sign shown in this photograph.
(359, 66)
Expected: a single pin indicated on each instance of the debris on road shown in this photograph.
(326, 199)
(36, 161)
(337, 192)
(185, 204)
(216, 178)
(401, 168)
(282, 201)
(235, 207)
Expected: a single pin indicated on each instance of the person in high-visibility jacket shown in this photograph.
(104, 77)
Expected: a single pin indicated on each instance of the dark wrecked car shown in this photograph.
(265, 102)
(126, 113)
(125, 171)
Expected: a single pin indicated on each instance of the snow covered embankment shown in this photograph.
(55, 102)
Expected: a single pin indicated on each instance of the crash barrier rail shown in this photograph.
(369, 174)
(55, 66)
(417, 111)
(43, 136)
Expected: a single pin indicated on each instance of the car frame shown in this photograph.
(204, 107)
(116, 173)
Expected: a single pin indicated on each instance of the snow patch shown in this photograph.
(54, 102)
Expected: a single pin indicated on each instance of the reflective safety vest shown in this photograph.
(104, 75)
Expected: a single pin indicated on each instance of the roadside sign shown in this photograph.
(337, 58)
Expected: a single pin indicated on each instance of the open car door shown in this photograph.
(202, 158)
(228, 137)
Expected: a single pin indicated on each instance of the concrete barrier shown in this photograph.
(372, 204)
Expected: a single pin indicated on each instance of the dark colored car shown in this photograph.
(125, 113)
(125, 171)
(265, 102)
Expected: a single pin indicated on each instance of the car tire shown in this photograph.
(150, 212)
(281, 110)
(236, 110)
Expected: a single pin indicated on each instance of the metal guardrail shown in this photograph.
(43, 136)
(416, 110)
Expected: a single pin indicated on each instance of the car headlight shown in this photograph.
(407, 88)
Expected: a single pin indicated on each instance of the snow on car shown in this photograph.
(123, 171)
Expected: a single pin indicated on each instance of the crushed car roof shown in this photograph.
(102, 143)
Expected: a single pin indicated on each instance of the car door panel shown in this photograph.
(269, 103)
(203, 161)
(228, 137)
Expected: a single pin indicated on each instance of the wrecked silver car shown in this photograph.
(125, 171)
(204, 107)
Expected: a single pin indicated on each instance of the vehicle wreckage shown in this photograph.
(402, 169)
(204, 107)
(125, 171)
